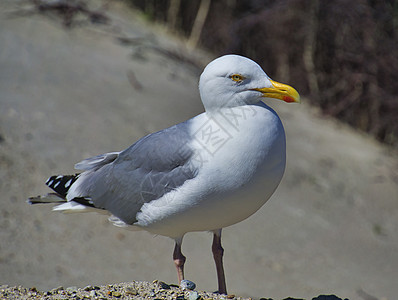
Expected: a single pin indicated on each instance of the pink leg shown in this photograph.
(218, 252)
(179, 259)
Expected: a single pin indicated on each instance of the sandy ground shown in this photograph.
(65, 95)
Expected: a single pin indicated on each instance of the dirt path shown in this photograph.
(69, 94)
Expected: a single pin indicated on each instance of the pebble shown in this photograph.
(180, 297)
(90, 288)
(71, 289)
(116, 294)
(193, 296)
(131, 291)
(58, 289)
(187, 285)
(164, 285)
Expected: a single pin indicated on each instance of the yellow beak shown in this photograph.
(280, 91)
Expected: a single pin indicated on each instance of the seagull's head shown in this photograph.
(234, 80)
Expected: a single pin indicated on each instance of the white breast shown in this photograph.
(240, 154)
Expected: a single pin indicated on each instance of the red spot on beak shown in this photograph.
(288, 99)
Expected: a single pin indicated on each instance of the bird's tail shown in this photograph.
(49, 198)
(60, 185)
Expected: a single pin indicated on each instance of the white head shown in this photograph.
(234, 80)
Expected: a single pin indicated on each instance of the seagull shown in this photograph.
(204, 174)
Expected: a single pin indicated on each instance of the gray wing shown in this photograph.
(122, 182)
(96, 162)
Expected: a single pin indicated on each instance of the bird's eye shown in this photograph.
(237, 77)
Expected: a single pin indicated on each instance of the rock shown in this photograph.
(327, 297)
(180, 297)
(57, 290)
(187, 285)
(116, 294)
(164, 285)
(71, 289)
(131, 291)
(193, 296)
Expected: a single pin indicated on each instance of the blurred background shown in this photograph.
(341, 54)
(80, 78)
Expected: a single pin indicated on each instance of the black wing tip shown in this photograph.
(61, 183)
